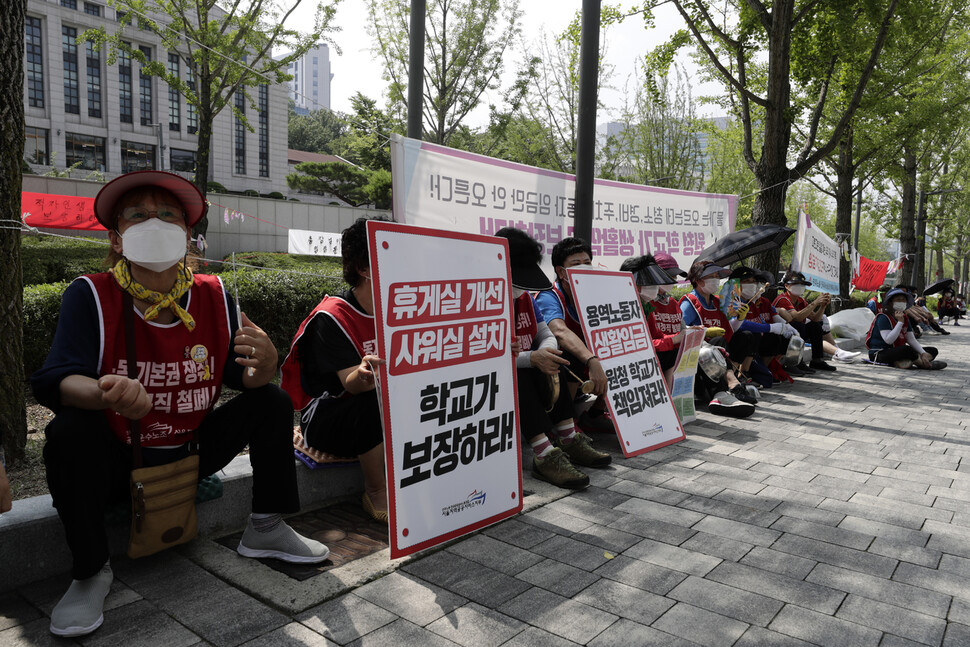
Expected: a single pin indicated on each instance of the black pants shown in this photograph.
(88, 468)
(345, 427)
(772, 345)
(743, 344)
(897, 353)
(811, 332)
(533, 392)
(667, 358)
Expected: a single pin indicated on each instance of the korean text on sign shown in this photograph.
(424, 302)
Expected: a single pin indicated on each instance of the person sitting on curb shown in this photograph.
(559, 312)
(330, 373)
(756, 314)
(931, 323)
(185, 326)
(666, 327)
(891, 340)
(805, 317)
(702, 307)
(947, 307)
(539, 363)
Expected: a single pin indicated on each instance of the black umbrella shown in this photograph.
(743, 244)
(938, 287)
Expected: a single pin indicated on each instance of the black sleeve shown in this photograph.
(325, 349)
(232, 373)
(76, 347)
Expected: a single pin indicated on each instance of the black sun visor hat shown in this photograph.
(652, 274)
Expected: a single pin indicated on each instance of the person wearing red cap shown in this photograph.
(187, 343)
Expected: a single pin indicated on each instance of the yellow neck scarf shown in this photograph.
(157, 300)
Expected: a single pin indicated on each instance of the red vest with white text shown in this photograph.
(526, 324)
(710, 317)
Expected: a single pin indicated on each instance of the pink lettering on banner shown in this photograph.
(433, 347)
(621, 340)
(424, 302)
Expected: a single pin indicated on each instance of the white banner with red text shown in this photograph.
(816, 255)
(442, 303)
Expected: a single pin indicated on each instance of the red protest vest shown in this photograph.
(900, 341)
(710, 317)
(357, 326)
(526, 324)
(180, 370)
(571, 323)
(665, 319)
(761, 311)
(788, 301)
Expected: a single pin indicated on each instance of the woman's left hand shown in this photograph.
(256, 349)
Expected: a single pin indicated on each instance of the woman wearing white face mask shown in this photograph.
(891, 341)
(757, 315)
(189, 342)
(807, 319)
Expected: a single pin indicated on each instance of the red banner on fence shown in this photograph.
(58, 211)
(870, 274)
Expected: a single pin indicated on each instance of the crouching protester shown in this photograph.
(181, 331)
(666, 325)
(806, 318)
(891, 340)
(330, 373)
(545, 406)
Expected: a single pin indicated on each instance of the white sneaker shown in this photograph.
(846, 356)
(81, 610)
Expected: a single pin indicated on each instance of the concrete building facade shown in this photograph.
(112, 119)
(310, 85)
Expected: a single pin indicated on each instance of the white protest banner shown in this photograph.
(442, 304)
(443, 188)
(816, 255)
(685, 369)
(314, 243)
(616, 331)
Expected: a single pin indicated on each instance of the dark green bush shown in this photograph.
(252, 193)
(42, 306)
(215, 187)
(275, 195)
(295, 262)
(48, 259)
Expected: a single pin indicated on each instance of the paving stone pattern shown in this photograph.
(838, 515)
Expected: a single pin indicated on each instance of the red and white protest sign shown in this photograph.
(58, 211)
(616, 331)
(870, 274)
(442, 304)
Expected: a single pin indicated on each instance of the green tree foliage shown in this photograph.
(227, 45)
(367, 140)
(465, 45)
(354, 185)
(318, 132)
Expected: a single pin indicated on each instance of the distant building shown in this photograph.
(310, 85)
(111, 119)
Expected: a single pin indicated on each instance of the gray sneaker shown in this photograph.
(282, 542)
(81, 610)
(581, 452)
(555, 468)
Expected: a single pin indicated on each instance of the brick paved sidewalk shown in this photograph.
(839, 514)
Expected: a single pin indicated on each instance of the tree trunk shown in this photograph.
(907, 219)
(769, 208)
(13, 413)
(965, 276)
(202, 156)
(843, 208)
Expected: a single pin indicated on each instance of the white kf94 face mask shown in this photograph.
(748, 290)
(153, 244)
(649, 292)
(797, 290)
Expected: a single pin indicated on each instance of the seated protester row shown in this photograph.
(918, 315)
(541, 370)
(947, 307)
(702, 307)
(891, 340)
(185, 325)
(802, 315)
(929, 324)
(666, 326)
(330, 373)
(756, 314)
(559, 312)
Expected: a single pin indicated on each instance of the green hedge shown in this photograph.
(274, 301)
(48, 259)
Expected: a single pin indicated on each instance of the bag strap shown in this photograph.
(127, 305)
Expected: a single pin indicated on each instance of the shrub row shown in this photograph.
(47, 259)
(275, 302)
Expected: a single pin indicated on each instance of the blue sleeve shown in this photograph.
(549, 306)
(872, 306)
(754, 326)
(232, 373)
(76, 347)
(537, 311)
(690, 315)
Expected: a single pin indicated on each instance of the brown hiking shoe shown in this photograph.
(555, 468)
(581, 452)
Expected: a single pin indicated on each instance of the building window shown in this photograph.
(124, 84)
(94, 79)
(36, 145)
(86, 150)
(183, 161)
(120, 15)
(145, 89)
(174, 98)
(191, 114)
(92, 9)
(136, 156)
(34, 63)
(70, 4)
(240, 133)
(72, 96)
(264, 130)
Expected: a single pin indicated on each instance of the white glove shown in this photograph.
(788, 331)
(777, 328)
(826, 326)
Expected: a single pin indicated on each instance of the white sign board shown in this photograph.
(442, 304)
(314, 243)
(616, 331)
(816, 256)
(443, 188)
